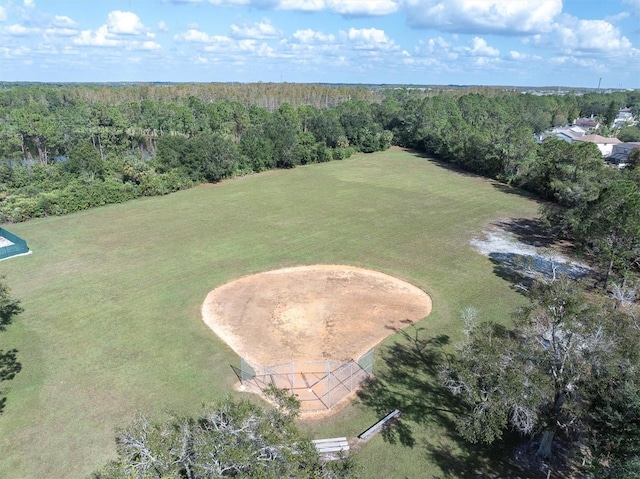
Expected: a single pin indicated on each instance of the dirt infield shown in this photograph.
(311, 312)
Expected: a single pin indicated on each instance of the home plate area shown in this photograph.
(318, 385)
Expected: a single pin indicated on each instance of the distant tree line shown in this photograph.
(71, 148)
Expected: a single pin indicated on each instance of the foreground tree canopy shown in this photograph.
(568, 370)
(226, 439)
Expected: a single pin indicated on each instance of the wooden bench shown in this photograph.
(331, 448)
(379, 425)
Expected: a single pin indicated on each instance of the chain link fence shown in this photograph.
(318, 385)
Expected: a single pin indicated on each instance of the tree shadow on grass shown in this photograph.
(531, 231)
(408, 380)
(514, 190)
(9, 367)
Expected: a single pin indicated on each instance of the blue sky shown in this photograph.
(489, 42)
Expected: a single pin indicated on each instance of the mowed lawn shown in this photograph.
(112, 296)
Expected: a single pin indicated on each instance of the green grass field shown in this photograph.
(112, 299)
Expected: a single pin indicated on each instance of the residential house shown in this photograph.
(604, 144)
(569, 133)
(624, 117)
(587, 123)
(621, 151)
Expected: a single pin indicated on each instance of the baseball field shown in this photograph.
(114, 296)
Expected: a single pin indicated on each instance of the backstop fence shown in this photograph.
(318, 385)
(11, 245)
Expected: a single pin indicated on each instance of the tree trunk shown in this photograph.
(609, 270)
(100, 147)
(42, 152)
(544, 450)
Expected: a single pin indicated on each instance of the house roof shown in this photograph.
(588, 122)
(573, 132)
(598, 139)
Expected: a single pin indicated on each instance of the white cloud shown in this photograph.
(162, 26)
(149, 45)
(241, 50)
(479, 47)
(124, 23)
(218, 2)
(616, 18)
(311, 36)
(221, 44)
(196, 36)
(432, 46)
(370, 39)
(3, 14)
(634, 5)
(300, 5)
(363, 7)
(506, 17)
(63, 21)
(61, 32)
(572, 36)
(258, 30)
(17, 30)
(118, 32)
(100, 38)
(29, 3)
(343, 7)
(449, 56)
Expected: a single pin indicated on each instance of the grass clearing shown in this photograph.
(112, 296)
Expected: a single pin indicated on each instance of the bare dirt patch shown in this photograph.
(312, 312)
(520, 251)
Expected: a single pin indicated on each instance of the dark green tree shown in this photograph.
(84, 160)
(36, 129)
(629, 134)
(528, 378)
(611, 113)
(634, 158)
(609, 227)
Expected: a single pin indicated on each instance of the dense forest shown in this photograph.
(66, 148)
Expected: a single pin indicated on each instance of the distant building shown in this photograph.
(587, 123)
(624, 117)
(620, 153)
(604, 144)
(569, 133)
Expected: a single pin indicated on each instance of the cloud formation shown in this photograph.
(500, 17)
(258, 30)
(122, 30)
(451, 41)
(124, 23)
